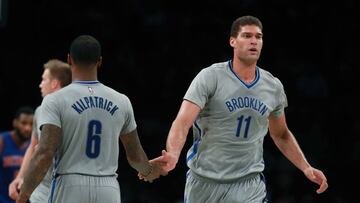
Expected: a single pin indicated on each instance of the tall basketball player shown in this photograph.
(230, 106)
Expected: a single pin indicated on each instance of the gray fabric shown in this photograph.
(249, 189)
(230, 129)
(91, 116)
(85, 189)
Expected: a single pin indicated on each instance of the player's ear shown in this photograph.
(55, 83)
(232, 42)
(69, 60)
(99, 62)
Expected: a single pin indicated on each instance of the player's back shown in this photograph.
(91, 116)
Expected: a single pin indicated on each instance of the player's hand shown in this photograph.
(156, 172)
(14, 188)
(318, 177)
(167, 160)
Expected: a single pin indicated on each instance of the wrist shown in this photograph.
(148, 172)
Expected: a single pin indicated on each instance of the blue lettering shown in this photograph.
(246, 102)
(228, 104)
(76, 108)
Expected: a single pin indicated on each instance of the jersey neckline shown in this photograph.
(86, 82)
(257, 76)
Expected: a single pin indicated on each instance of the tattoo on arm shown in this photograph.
(42, 158)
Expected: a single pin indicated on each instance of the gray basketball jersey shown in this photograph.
(36, 130)
(232, 123)
(92, 116)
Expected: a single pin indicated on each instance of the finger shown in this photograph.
(319, 177)
(161, 159)
(14, 195)
(20, 184)
(322, 188)
(13, 192)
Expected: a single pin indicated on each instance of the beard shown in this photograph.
(21, 136)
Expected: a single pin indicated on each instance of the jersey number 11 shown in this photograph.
(240, 123)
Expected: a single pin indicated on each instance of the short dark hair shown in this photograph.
(85, 49)
(23, 110)
(242, 21)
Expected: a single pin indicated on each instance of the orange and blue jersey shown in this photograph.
(10, 161)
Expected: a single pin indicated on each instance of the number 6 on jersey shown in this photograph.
(93, 139)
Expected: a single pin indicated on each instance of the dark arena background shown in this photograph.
(153, 49)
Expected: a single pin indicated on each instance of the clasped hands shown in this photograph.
(160, 166)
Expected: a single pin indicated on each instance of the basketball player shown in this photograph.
(13, 145)
(80, 127)
(230, 106)
(56, 75)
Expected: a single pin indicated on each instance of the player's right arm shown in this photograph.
(135, 153)
(177, 135)
(16, 183)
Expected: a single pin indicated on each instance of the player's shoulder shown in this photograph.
(37, 110)
(220, 66)
(115, 93)
(214, 68)
(4, 133)
(269, 77)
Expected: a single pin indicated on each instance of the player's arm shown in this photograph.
(41, 160)
(28, 154)
(135, 154)
(287, 144)
(16, 183)
(178, 133)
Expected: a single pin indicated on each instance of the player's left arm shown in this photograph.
(41, 160)
(287, 144)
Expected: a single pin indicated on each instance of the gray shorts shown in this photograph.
(250, 189)
(75, 188)
(40, 194)
(42, 191)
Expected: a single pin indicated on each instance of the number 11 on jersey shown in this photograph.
(240, 123)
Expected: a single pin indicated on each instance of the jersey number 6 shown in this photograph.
(93, 139)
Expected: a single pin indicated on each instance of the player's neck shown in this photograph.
(84, 75)
(246, 72)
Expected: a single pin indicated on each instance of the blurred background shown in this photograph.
(153, 49)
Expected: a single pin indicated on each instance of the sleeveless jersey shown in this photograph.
(232, 123)
(91, 116)
(11, 158)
